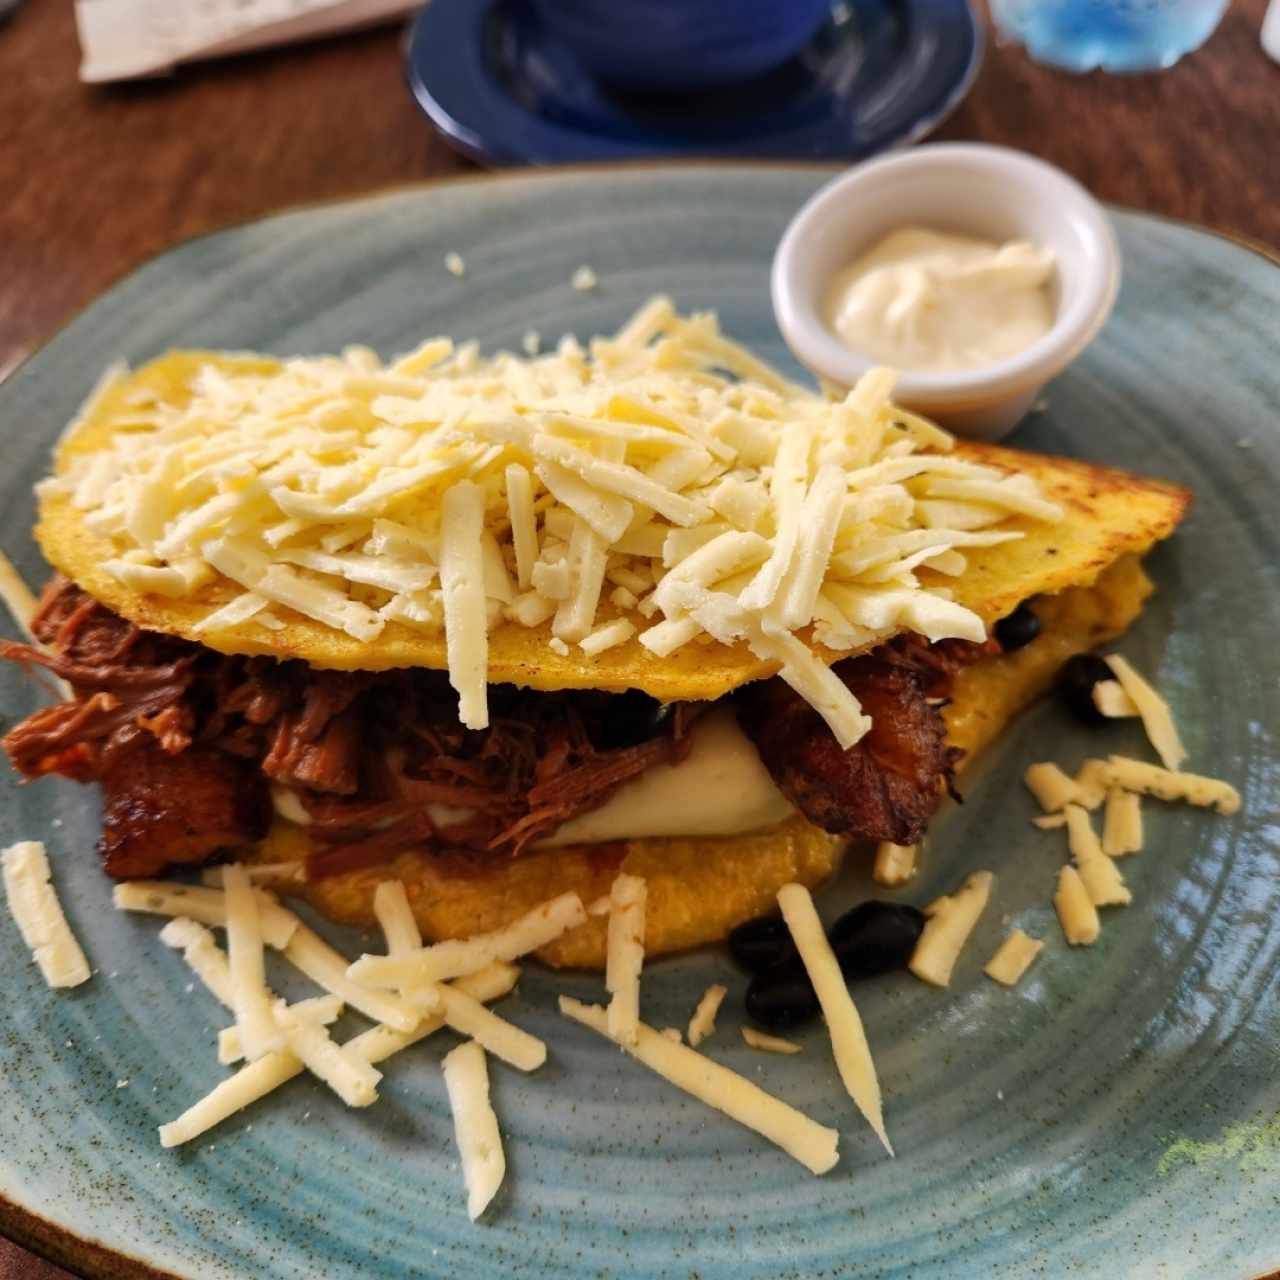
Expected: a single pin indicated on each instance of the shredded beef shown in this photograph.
(162, 810)
(888, 785)
(186, 742)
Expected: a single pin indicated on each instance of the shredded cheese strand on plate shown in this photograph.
(426, 492)
(812, 1144)
(34, 904)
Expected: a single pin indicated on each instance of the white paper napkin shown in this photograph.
(124, 39)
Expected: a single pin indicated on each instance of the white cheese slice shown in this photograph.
(460, 956)
(207, 905)
(1169, 784)
(1102, 879)
(767, 1043)
(36, 911)
(719, 788)
(475, 1125)
(625, 955)
(251, 1001)
(1122, 827)
(260, 1078)
(895, 864)
(951, 921)
(1076, 912)
(1112, 701)
(1157, 718)
(848, 1038)
(1013, 958)
(812, 1144)
(703, 1022)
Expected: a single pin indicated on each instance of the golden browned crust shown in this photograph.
(1110, 513)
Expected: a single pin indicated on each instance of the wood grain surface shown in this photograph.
(95, 179)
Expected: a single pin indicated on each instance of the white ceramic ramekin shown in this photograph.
(966, 188)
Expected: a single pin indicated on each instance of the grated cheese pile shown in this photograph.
(664, 484)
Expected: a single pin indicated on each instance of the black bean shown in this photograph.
(631, 718)
(875, 938)
(762, 943)
(1018, 629)
(780, 998)
(1076, 678)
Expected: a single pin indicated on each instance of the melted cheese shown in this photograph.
(719, 788)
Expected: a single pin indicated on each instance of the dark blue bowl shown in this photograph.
(670, 45)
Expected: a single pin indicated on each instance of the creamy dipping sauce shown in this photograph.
(928, 300)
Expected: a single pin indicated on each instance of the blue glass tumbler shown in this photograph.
(1114, 35)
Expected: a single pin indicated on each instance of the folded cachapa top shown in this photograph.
(659, 517)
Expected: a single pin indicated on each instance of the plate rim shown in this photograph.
(84, 1255)
(463, 139)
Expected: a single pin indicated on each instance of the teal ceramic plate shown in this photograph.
(1114, 1115)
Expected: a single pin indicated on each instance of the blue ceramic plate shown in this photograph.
(879, 74)
(1116, 1114)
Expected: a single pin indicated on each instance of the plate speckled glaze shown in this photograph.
(1116, 1114)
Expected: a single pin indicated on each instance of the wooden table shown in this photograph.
(96, 179)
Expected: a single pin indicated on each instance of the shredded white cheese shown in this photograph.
(475, 1125)
(312, 955)
(1122, 826)
(325, 1010)
(205, 958)
(1168, 784)
(349, 1075)
(207, 905)
(17, 596)
(468, 1017)
(457, 957)
(812, 1144)
(1076, 912)
(426, 492)
(1157, 718)
(35, 908)
(260, 1078)
(625, 955)
(395, 917)
(1091, 784)
(1013, 958)
(951, 921)
(767, 1043)
(895, 864)
(703, 1022)
(844, 1025)
(1050, 786)
(1101, 877)
(260, 1030)
(1112, 701)
(454, 264)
